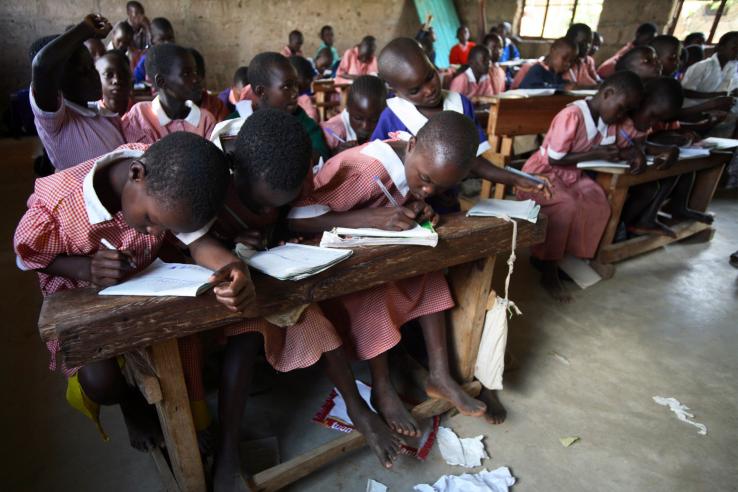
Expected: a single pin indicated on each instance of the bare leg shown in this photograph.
(680, 200)
(104, 384)
(384, 443)
(648, 222)
(440, 383)
(238, 370)
(386, 400)
(552, 283)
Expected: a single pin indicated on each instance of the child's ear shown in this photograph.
(258, 90)
(411, 144)
(137, 171)
(159, 81)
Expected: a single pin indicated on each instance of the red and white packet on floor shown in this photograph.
(334, 415)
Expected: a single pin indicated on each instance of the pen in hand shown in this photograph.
(110, 246)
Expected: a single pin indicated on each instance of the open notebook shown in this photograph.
(522, 93)
(343, 237)
(684, 153)
(719, 143)
(164, 279)
(295, 261)
(492, 207)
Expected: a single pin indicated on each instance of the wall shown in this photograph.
(228, 33)
(496, 12)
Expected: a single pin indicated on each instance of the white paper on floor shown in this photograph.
(467, 452)
(499, 480)
(580, 272)
(374, 486)
(681, 411)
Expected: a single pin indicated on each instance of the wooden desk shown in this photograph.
(323, 90)
(90, 327)
(616, 184)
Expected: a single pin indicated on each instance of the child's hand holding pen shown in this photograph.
(109, 265)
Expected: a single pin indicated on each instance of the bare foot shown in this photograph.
(495, 413)
(228, 477)
(142, 422)
(443, 387)
(385, 443)
(656, 227)
(552, 283)
(389, 405)
(688, 213)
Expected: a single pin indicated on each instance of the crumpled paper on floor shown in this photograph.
(681, 412)
(374, 486)
(466, 452)
(499, 480)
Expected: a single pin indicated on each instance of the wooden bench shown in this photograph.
(513, 117)
(90, 328)
(616, 183)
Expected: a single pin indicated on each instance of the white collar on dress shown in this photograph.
(382, 152)
(193, 118)
(414, 119)
(84, 111)
(350, 133)
(101, 110)
(470, 75)
(96, 211)
(592, 130)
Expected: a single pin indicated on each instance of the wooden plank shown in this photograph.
(91, 327)
(705, 184)
(681, 167)
(470, 285)
(526, 116)
(642, 244)
(176, 418)
(280, 476)
(169, 484)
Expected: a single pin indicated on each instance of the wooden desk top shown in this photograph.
(682, 166)
(90, 327)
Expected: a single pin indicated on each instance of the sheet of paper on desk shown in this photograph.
(517, 93)
(492, 207)
(343, 237)
(603, 164)
(692, 152)
(164, 279)
(719, 143)
(296, 261)
(580, 92)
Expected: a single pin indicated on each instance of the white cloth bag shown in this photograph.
(491, 355)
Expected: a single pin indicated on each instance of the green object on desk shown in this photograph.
(427, 225)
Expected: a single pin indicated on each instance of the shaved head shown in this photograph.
(450, 137)
(405, 67)
(398, 56)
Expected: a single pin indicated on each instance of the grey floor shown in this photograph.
(666, 325)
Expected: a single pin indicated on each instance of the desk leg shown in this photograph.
(470, 284)
(176, 418)
(616, 198)
(704, 188)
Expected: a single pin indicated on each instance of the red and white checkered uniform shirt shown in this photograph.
(146, 122)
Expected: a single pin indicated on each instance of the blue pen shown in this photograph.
(627, 137)
(334, 134)
(535, 179)
(386, 192)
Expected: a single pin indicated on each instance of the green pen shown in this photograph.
(426, 225)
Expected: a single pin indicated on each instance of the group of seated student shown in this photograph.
(146, 179)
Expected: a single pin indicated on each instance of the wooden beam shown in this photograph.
(642, 244)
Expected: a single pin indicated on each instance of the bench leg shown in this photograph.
(176, 418)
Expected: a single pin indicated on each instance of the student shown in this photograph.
(95, 47)
(498, 77)
(669, 52)
(346, 194)
(161, 32)
(417, 85)
(326, 41)
(274, 85)
(130, 198)
(64, 80)
(366, 100)
(174, 73)
(305, 75)
(115, 77)
(582, 71)
(426, 36)
(231, 95)
(357, 61)
(597, 42)
(475, 80)
(643, 37)
(324, 64)
(205, 100)
(510, 50)
(549, 73)
(691, 55)
(578, 211)
(641, 60)
(695, 39)
(294, 45)
(271, 163)
(460, 51)
(140, 24)
(122, 40)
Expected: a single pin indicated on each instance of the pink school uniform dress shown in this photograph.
(352, 65)
(339, 125)
(146, 122)
(66, 217)
(74, 133)
(497, 79)
(578, 211)
(466, 83)
(374, 315)
(214, 105)
(607, 67)
(583, 72)
(306, 103)
(287, 52)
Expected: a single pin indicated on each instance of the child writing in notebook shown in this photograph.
(305, 75)
(357, 61)
(353, 126)
(115, 77)
(271, 169)
(231, 95)
(549, 72)
(347, 194)
(583, 71)
(475, 80)
(642, 61)
(578, 211)
(643, 36)
(63, 81)
(173, 70)
(204, 99)
(105, 219)
(498, 77)
(122, 40)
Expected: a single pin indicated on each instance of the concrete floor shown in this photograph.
(664, 325)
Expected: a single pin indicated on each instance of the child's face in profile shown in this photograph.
(327, 37)
(463, 35)
(282, 91)
(480, 63)
(616, 105)
(80, 81)
(669, 59)
(116, 80)
(420, 84)
(364, 114)
(429, 175)
(729, 50)
(183, 82)
(161, 36)
(561, 59)
(584, 44)
(494, 45)
(651, 112)
(122, 40)
(648, 66)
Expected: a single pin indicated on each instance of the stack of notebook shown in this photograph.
(343, 237)
(296, 261)
(524, 209)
